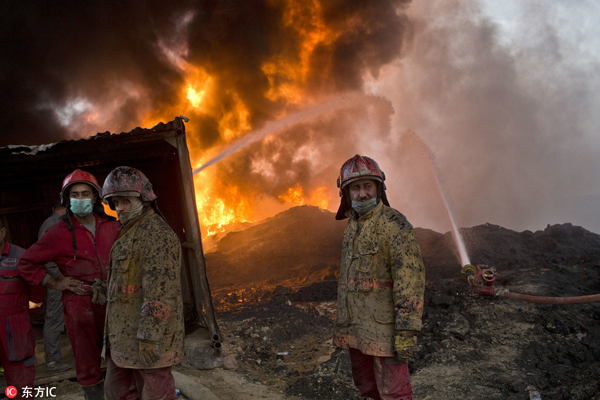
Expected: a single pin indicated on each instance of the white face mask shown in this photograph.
(363, 207)
(81, 207)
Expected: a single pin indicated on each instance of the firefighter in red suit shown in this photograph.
(17, 351)
(80, 245)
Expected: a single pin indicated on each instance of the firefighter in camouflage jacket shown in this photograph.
(381, 284)
(144, 315)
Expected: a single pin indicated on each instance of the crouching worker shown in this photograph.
(381, 284)
(144, 317)
(80, 246)
(17, 342)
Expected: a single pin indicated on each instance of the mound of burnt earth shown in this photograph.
(505, 249)
(298, 251)
(302, 246)
(494, 245)
(302, 243)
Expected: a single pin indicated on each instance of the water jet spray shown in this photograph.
(462, 250)
(345, 100)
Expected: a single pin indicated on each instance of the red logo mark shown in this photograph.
(11, 392)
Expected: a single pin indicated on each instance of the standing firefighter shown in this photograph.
(80, 245)
(17, 342)
(144, 318)
(381, 284)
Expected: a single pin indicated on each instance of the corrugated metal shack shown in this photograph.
(31, 177)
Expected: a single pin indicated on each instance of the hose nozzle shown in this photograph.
(480, 275)
(469, 272)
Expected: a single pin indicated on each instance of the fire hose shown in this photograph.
(482, 279)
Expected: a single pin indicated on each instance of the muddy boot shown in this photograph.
(94, 392)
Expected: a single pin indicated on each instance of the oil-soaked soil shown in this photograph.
(470, 347)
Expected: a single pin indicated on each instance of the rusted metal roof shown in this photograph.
(159, 130)
(31, 177)
(138, 143)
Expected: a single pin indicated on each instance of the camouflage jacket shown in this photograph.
(381, 283)
(144, 294)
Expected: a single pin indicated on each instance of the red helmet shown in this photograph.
(127, 181)
(359, 167)
(77, 176)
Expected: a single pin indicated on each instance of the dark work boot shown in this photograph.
(94, 392)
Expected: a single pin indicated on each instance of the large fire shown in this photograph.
(295, 196)
(232, 68)
(223, 204)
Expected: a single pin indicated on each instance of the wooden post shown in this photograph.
(193, 246)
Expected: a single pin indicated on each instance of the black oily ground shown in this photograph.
(552, 363)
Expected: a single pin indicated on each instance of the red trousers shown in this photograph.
(85, 327)
(145, 384)
(380, 378)
(17, 342)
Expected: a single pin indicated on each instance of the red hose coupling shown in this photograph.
(484, 277)
(483, 290)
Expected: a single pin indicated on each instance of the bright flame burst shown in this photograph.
(287, 72)
(197, 96)
(221, 203)
(216, 213)
(295, 196)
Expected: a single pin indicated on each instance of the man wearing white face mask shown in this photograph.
(381, 284)
(80, 246)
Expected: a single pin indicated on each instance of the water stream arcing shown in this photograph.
(307, 114)
(462, 250)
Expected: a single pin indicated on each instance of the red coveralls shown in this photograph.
(17, 351)
(83, 319)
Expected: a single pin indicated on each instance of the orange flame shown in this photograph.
(295, 196)
(197, 95)
(320, 198)
(215, 213)
(287, 72)
(221, 203)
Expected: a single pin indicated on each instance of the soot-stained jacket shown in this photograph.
(144, 293)
(381, 283)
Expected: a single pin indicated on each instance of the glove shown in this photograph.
(149, 352)
(99, 292)
(404, 345)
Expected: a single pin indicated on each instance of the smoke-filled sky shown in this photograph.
(505, 94)
(502, 95)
